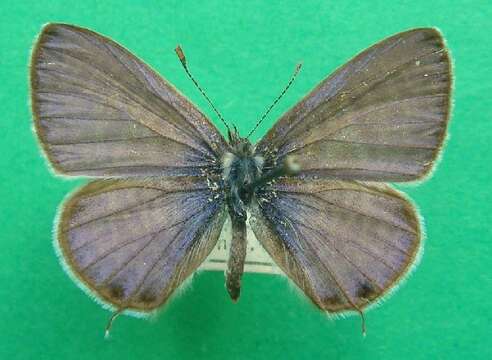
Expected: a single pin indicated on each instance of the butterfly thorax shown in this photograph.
(241, 170)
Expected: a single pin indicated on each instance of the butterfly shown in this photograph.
(313, 190)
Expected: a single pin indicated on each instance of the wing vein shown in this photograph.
(130, 208)
(152, 91)
(348, 91)
(89, 98)
(123, 89)
(132, 241)
(352, 241)
(344, 256)
(345, 209)
(148, 272)
(379, 107)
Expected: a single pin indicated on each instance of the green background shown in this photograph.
(243, 55)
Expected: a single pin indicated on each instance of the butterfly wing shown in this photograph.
(380, 117)
(133, 242)
(100, 111)
(344, 243)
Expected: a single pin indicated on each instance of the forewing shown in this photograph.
(380, 117)
(100, 111)
(345, 244)
(132, 243)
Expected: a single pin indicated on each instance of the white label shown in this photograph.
(257, 259)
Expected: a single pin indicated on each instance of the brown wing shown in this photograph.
(132, 243)
(380, 117)
(345, 244)
(100, 111)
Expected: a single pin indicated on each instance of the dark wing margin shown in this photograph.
(132, 243)
(381, 117)
(345, 244)
(100, 111)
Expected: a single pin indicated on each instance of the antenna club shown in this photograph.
(180, 54)
(182, 58)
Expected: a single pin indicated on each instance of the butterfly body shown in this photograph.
(244, 182)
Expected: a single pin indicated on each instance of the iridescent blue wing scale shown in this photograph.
(131, 243)
(344, 243)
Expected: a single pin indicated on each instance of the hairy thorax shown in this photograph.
(241, 172)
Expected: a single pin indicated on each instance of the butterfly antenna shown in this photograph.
(296, 71)
(182, 59)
